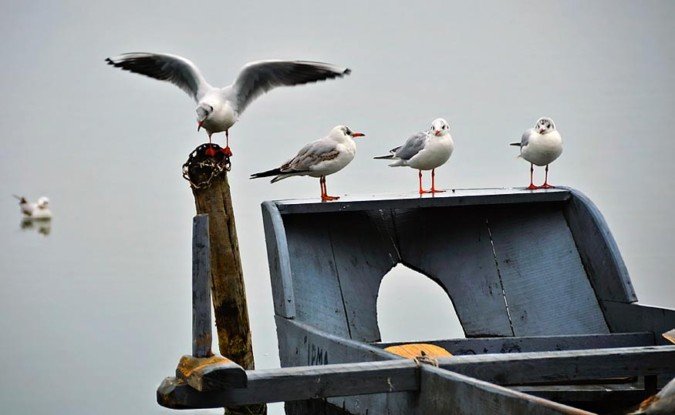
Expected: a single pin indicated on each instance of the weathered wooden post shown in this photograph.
(201, 287)
(206, 170)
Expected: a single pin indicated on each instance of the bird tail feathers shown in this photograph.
(281, 177)
(268, 173)
(515, 144)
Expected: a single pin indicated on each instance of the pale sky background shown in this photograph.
(95, 315)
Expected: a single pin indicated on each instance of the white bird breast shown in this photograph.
(435, 154)
(543, 149)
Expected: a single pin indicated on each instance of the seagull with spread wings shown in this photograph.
(219, 108)
(319, 158)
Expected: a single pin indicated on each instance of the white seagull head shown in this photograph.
(42, 202)
(439, 127)
(544, 125)
(204, 110)
(341, 132)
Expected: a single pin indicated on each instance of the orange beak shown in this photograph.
(437, 133)
(199, 125)
(358, 135)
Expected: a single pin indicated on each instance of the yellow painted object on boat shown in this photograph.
(414, 350)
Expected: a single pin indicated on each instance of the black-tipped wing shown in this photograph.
(412, 146)
(256, 78)
(175, 69)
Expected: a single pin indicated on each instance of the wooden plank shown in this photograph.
(539, 343)
(546, 286)
(624, 317)
(444, 392)
(631, 392)
(598, 250)
(362, 257)
(401, 375)
(201, 287)
(210, 373)
(318, 299)
(564, 366)
(297, 383)
(460, 197)
(278, 260)
(452, 247)
(301, 344)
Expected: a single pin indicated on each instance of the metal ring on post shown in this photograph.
(204, 164)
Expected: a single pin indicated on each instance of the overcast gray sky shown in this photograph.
(95, 315)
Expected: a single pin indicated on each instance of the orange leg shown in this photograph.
(324, 191)
(210, 152)
(227, 151)
(531, 186)
(433, 182)
(420, 177)
(546, 185)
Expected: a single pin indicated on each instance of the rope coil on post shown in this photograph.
(204, 164)
(424, 359)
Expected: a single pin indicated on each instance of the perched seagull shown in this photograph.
(39, 210)
(319, 158)
(661, 403)
(425, 150)
(219, 108)
(540, 145)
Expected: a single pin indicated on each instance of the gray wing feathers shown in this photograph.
(412, 146)
(526, 137)
(310, 155)
(175, 69)
(256, 78)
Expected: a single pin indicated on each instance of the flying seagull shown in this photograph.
(540, 145)
(319, 158)
(219, 108)
(425, 150)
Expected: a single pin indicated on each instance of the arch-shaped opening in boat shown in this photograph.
(413, 307)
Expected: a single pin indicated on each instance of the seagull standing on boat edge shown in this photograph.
(425, 150)
(219, 108)
(319, 158)
(540, 145)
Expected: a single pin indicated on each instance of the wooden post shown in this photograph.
(208, 178)
(201, 287)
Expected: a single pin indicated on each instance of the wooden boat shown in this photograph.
(550, 316)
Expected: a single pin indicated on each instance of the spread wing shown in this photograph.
(175, 69)
(412, 146)
(310, 156)
(256, 78)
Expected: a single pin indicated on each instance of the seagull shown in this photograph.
(319, 158)
(219, 108)
(425, 150)
(540, 145)
(39, 210)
